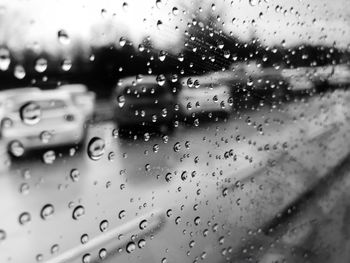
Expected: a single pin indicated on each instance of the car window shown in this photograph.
(174, 131)
(15, 105)
(53, 104)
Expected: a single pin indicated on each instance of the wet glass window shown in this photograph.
(174, 131)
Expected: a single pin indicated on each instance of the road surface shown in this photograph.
(201, 189)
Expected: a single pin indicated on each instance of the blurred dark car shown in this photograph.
(144, 102)
(262, 83)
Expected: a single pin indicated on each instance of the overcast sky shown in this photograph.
(35, 23)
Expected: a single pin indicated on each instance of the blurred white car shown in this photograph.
(340, 75)
(201, 95)
(82, 98)
(300, 79)
(318, 78)
(35, 119)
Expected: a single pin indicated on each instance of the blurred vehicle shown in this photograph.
(83, 98)
(263, 83)
(299, 81)
(308, 79)
(147, 102)
(36, 119)
(234, 87)
(202, 95)
(340, 76)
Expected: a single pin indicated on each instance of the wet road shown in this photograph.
(234, 174)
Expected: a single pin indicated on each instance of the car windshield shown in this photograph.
(174, 131)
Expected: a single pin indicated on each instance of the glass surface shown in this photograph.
(174, 131)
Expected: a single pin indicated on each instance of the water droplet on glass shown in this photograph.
(175, 11)
(24, 218)
(220, 45)
(253, 2)
(141, 47)
(104, 225)
(168, 177)
(178, 220)
(40, 65)
(164, 112)
(66, 65)
(197, 220)
(184, 176)
(174, 78)
(227, 54)
(196, 84)
(63, 37)
(2, 235)
(78, 212)
(189, 82)
(111, 156)
(169, 212)
(159, 24)
(84, 238)
(159, 3)
(181, 57)
(165, 138)
(121, 101)
(146, 136)
(160, 80)
(154, 118)
(7, 122)
(177, 147)
(30, 113)
(162, 55)
(49, 157)
(24, 188)
(74, 175)
(141, 243)
(102, 253)
(155, 148)
(54, 249)
(16, 148)
(47, 211)
(143, 224)
(122, 214)
(125, 6)
(45, 136)
(130, 247)
(5, 59)
(86, 258)
(122, 41)
(103, 12)
(39, 257)
(19, 72)
(96, 148)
